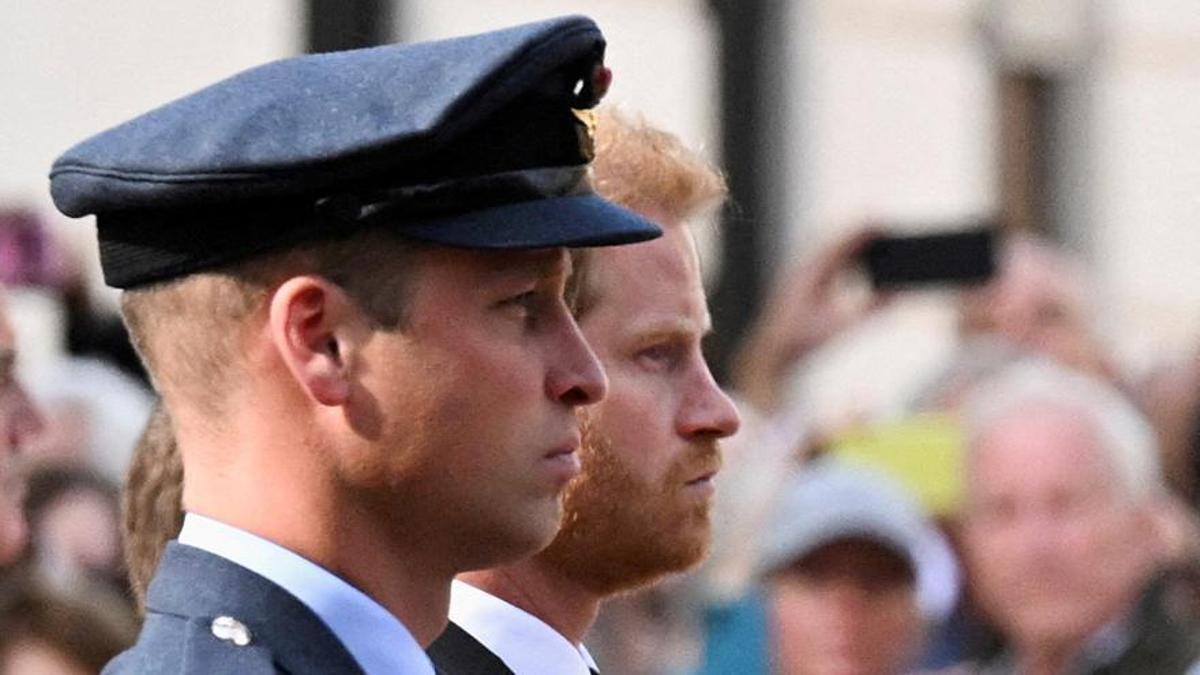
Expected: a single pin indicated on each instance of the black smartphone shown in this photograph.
(962, 257)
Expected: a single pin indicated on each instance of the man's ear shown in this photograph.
(311, 322)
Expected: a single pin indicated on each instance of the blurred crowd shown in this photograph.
(1031, 511)
(68, 424)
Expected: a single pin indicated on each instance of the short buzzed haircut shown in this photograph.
(188, 331)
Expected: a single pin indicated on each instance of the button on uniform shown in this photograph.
(230, 629)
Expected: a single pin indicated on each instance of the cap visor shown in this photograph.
(572, 221)
(808, 538)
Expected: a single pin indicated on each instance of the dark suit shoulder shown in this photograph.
(174, 645)
(457, 652)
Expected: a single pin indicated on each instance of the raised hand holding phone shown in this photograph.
(805, 308)
(957, 256)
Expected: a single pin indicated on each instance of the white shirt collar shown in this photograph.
(525, 643)
(376, 639)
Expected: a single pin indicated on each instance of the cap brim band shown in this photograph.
(572, 221)
(137, 249)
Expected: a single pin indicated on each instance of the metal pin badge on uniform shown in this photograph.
(230, 629)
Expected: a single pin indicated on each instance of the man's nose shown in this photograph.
(708, 410)
(576, 378)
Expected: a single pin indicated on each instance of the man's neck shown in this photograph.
(1051, 657)
(564, 605)
(308, 517)
(1100, 647)
(415, 588)
(1044, 661)
(1101, 643)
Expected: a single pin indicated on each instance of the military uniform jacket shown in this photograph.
(209, 616)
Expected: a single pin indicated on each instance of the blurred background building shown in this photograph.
(1073, 118)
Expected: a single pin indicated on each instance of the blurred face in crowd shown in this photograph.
(78, 535)
(848, 608)
(19, 421)
(641, 508)
(1037, 301)
(1055, 545)
(487, 373)
(33, 657)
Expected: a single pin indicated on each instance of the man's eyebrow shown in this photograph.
(538, 267)
(670, 328)
(554, 266)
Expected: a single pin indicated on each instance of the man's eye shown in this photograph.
(524, 300)
(661, 356)
(527, 307)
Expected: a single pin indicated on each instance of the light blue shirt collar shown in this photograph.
(376, 639)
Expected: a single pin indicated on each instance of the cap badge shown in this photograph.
(585, 129)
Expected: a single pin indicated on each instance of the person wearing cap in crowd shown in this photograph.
(640, 509)
(345, 273)
(1062, 528)
(845, 566)
(20, 420)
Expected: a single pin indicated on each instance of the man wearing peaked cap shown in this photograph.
(345, 273)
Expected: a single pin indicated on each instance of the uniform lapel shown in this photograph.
(193, 583)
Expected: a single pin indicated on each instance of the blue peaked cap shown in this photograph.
(480, 141)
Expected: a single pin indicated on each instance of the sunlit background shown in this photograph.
(1077, 120)
(1069, 117)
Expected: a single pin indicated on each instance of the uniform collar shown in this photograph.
(376, 639)
(526, 644)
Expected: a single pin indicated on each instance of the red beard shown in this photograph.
(619, 532)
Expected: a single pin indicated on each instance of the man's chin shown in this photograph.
(607, 566)
(510, 541)
(694, 552)
(619, 533)
(543, 527)
(687, 554)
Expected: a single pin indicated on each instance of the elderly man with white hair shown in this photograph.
(1063, 489)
